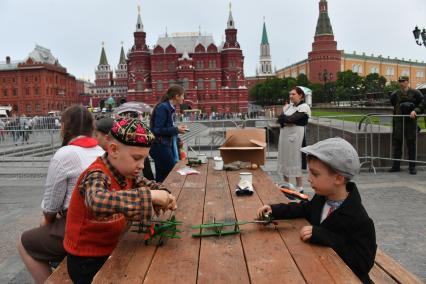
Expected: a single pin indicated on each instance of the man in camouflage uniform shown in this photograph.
(410, 102)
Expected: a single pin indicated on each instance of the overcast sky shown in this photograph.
(74, 29)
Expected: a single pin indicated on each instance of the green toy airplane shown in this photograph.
(162, 230)
(217, 229)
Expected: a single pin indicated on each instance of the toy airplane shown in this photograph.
(217, 229)
(193, 162)
(162, 230)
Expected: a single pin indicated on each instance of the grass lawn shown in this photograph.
(357, 117)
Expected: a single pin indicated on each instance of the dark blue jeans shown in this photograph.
(163, 159)
(82, 269)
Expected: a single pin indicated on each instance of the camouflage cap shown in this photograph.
(403, 78)
(132, 132)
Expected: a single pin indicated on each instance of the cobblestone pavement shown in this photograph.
(396, 203)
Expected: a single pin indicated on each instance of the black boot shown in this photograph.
(395, 168)
(412, 168)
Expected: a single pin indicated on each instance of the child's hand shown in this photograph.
(262, 211)
(164, 200)
(306, 233)
(182, 128)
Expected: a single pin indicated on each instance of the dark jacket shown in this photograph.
(297, 118)
(349, 231)
(403, 105)
(161, 151)
(163, 127)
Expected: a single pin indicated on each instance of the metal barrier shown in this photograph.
(371, 135)
(29, 145)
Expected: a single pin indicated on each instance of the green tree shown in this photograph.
(302, 80)
(272, 91)
(318, 94)
(392, 86)
(348, 84)
(373, 83)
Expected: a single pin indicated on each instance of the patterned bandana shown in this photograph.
(334, 204)
(132, 132)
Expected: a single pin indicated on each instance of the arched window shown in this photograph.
(185, 83)
(171, 82)
(159, 85)
(233, 83)
(200, 84)
(213, 84)
(172, 66)
(139, 86)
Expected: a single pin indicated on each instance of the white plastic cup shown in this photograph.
(202, 158)
(246, 176)
(218, 163)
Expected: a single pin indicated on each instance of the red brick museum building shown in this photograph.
(212, 75)
(37, 84)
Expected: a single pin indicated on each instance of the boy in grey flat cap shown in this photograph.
(336, 214)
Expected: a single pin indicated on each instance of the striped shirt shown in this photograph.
(135, 204)
(64, 169)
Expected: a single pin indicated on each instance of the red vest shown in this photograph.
(86, 235)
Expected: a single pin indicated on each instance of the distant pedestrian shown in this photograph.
(24, 127)
(409, 102)
(2, 130)
(14, 129)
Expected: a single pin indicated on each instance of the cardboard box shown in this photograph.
(247, 145)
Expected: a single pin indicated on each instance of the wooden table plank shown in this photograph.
(378, 276)
(177, 261)
(130, 260)
(268, 260)
(394, 269)
(221, 258)
(327, 258)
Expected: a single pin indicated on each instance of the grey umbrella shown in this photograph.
(138, 107)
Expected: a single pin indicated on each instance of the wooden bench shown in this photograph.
(257, 255)
(387, 270)
(60, 274)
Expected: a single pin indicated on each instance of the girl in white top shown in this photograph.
(293, 121)
(42, 245)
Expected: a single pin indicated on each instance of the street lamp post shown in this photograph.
(325, 77)
(417, 33)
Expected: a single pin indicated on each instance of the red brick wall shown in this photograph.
(39, 88)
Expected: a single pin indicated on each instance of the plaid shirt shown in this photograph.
(135, 203)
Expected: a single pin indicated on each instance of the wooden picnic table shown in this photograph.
(260, 254)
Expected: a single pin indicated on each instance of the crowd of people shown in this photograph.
(20, 128)
(99, 180)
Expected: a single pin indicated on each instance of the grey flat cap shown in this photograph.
(338, 154)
